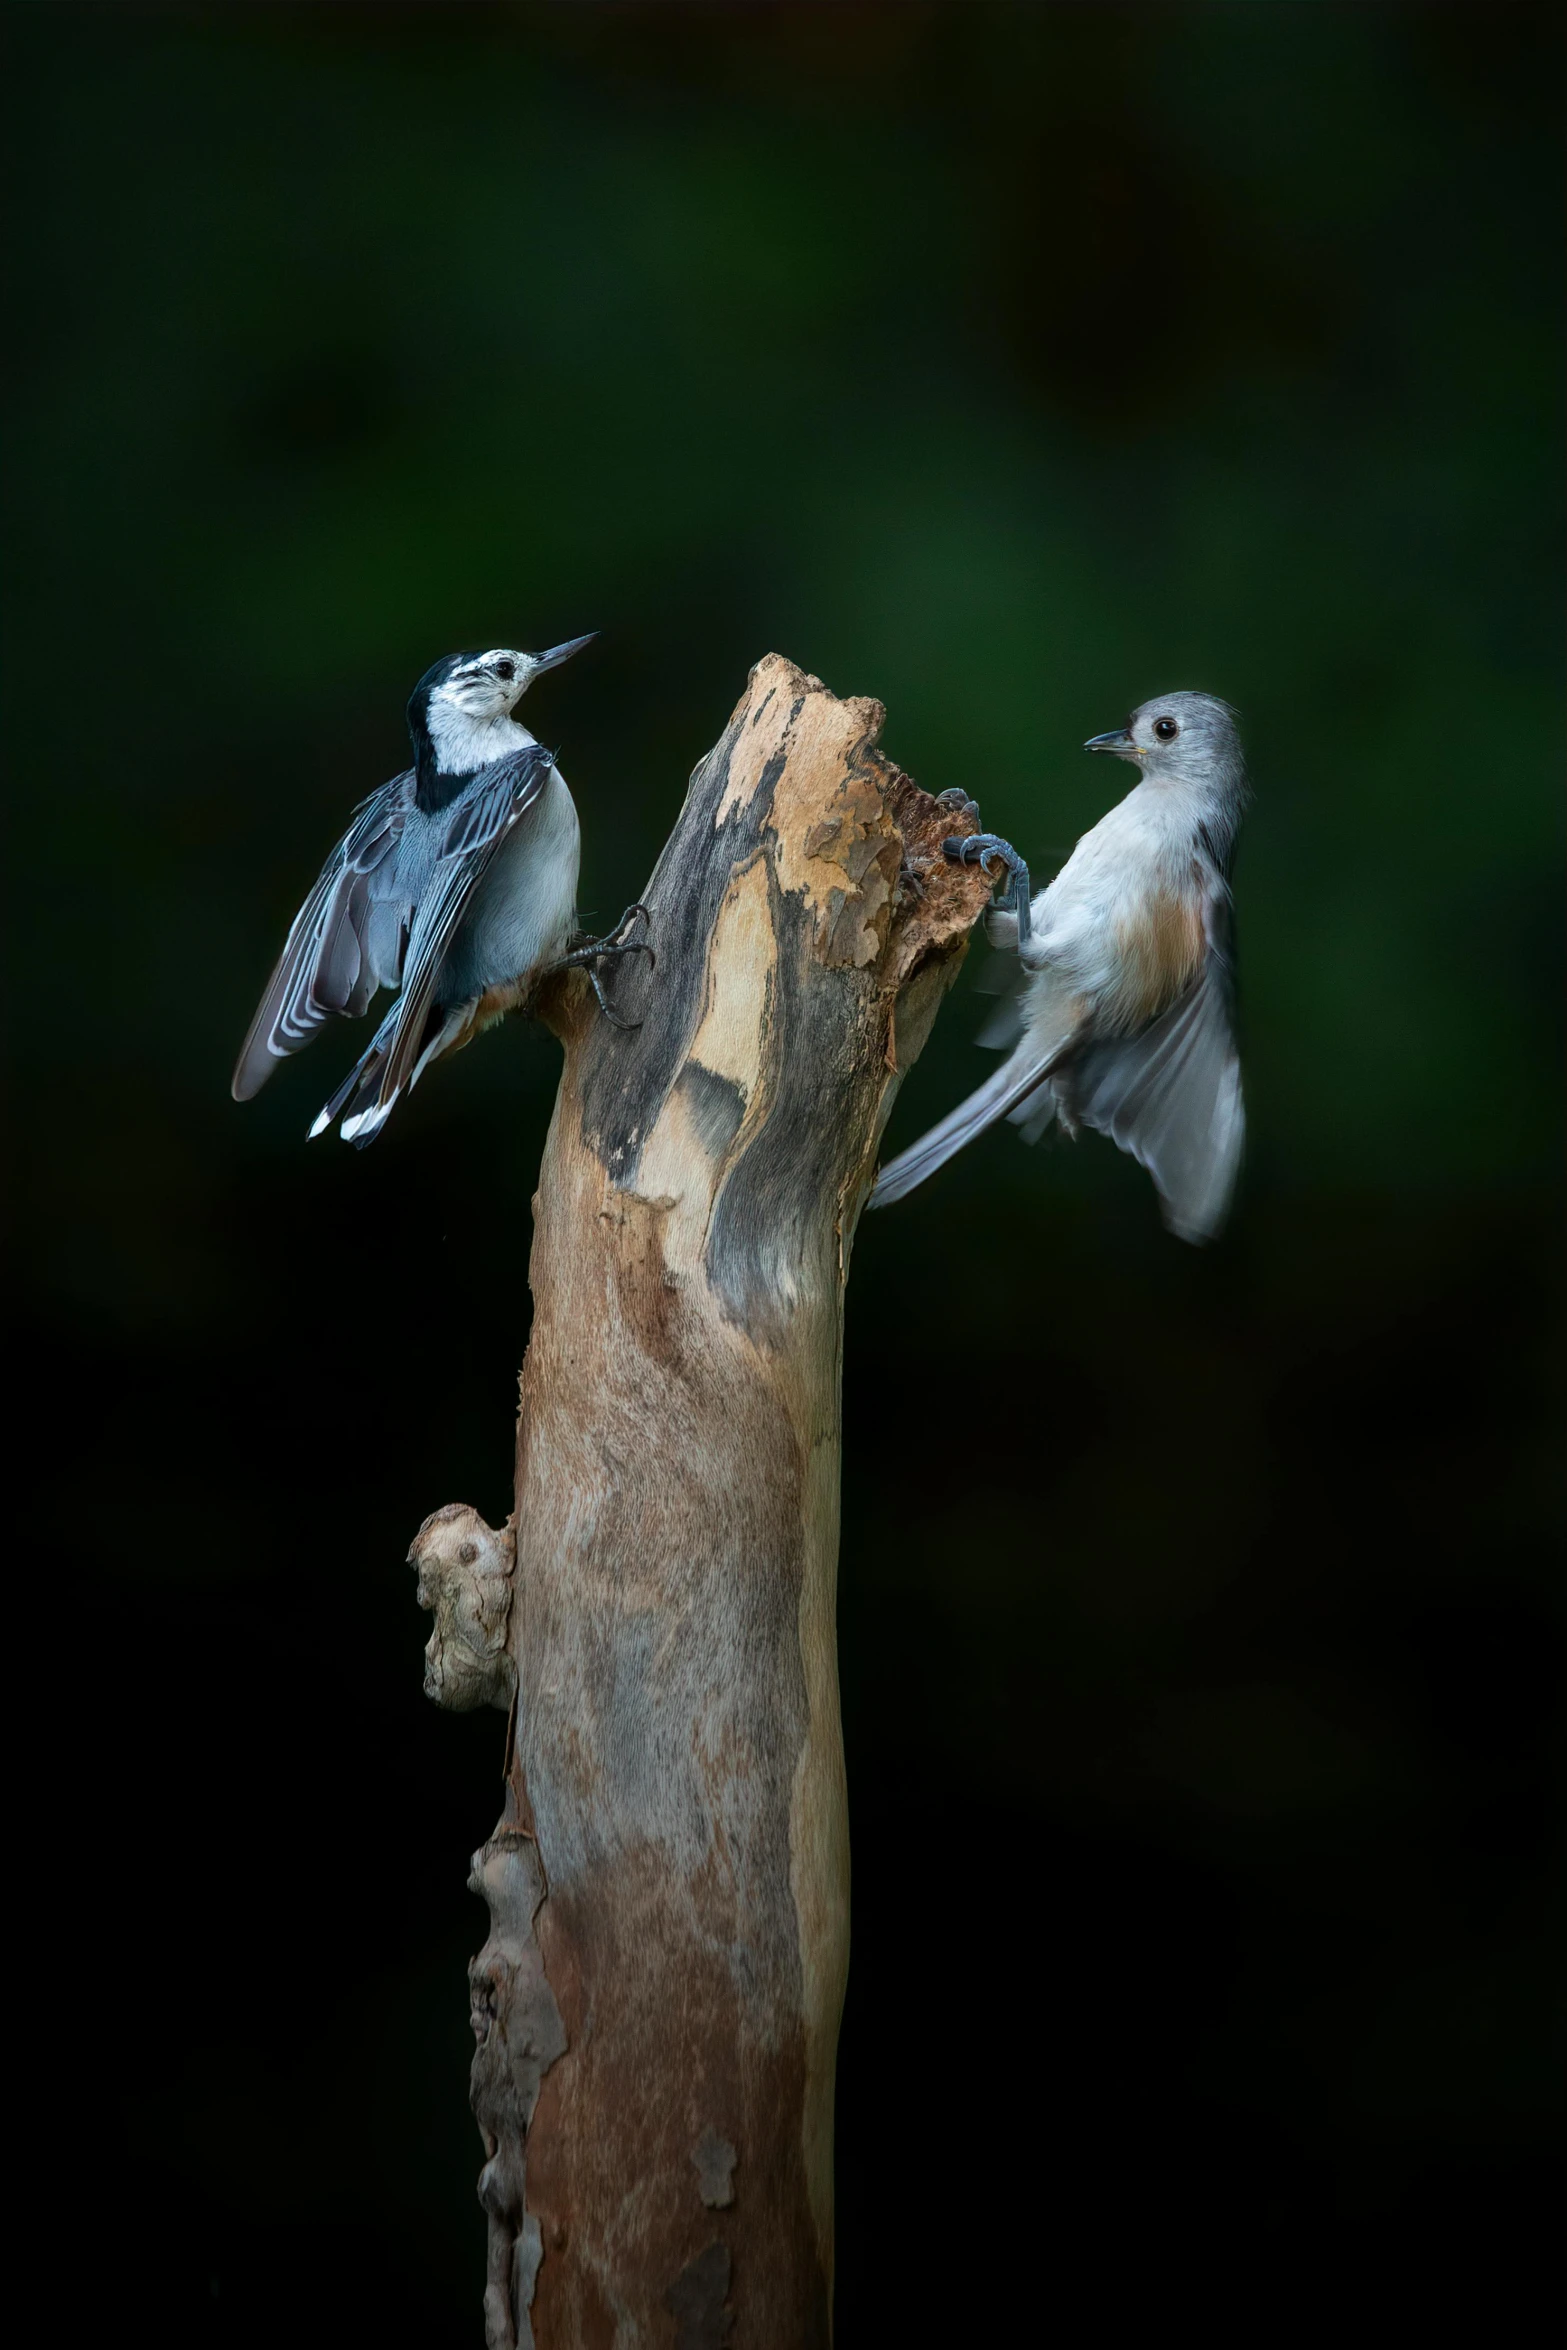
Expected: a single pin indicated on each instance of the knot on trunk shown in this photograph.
(465, 1580)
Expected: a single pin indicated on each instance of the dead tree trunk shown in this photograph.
(657, 2006)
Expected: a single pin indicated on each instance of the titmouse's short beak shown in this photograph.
(1118, 739)
(558, 653)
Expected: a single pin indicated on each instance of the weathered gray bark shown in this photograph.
(657, 2006)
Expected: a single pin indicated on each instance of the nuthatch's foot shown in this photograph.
(956, 797)
(593, 951)
(980, 848)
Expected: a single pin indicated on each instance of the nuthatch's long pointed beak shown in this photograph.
(558, 653)
(1118, 739)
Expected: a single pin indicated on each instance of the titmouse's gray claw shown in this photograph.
(978, 849)
(956, 797)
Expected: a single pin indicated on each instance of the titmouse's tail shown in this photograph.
(1013, 1083)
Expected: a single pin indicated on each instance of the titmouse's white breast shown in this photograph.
(1128, 894)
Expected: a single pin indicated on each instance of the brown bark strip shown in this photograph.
(658, 2004)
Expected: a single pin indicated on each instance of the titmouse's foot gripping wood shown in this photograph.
(978, 849)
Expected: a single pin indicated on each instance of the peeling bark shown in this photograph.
(657, 2007)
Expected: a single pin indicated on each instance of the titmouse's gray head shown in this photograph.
(1178, 738)
(477, 686)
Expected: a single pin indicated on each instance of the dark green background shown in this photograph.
(1010, 364)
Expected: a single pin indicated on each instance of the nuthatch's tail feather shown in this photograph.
(1013, 1083)
(358, 1100)
(361, 1081)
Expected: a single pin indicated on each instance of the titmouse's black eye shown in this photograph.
(1166, 729)
(506, 671)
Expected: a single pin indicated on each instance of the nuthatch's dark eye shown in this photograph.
(506, 671)
(1166, 729)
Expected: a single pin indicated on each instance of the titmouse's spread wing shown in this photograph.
(1171, 1096)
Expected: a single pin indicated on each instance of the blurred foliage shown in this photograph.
(1010, 364)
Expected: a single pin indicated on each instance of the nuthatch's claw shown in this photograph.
(597, 950)
(957, 797)
(613, 943)
(613, 1018)
(979, 849)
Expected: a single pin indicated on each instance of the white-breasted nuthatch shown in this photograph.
(1125, 1017)
(456, 883)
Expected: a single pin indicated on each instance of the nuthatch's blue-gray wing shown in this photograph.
(1171, 1095)
(466, 838)
(347, 939)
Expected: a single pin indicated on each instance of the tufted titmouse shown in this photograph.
(1124, 1020)
(457, 881)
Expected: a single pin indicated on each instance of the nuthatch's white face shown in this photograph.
(485, 686)
(1176, 736)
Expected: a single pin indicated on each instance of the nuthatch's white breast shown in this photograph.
(1125, 1018)
(456, 883)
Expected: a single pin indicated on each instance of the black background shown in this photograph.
(1011, 365)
